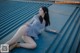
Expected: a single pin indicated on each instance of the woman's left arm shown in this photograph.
(51, 30)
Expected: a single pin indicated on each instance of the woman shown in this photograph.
(31, 29)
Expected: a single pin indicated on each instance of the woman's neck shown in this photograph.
(42, 16)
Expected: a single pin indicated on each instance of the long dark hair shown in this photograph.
(46, 16)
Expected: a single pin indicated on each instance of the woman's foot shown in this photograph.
(17, 44)
(13, 46)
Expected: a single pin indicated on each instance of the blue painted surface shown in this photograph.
(14, 14)
(58, 44)
(64, 18)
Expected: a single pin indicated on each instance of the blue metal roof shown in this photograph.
(64, 18)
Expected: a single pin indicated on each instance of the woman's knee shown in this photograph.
(33, 45)
(23, 26)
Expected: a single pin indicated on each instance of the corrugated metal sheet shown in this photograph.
(64, 18)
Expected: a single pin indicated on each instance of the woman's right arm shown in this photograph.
(30, 21)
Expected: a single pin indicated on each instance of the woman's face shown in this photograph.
(41, 12)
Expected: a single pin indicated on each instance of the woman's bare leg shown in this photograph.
(29, 42)
(19, 34)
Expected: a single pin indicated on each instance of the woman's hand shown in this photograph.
(50, 30)
(26, 24)
(53, 31)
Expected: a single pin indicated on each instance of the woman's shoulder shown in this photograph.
(36, 16)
